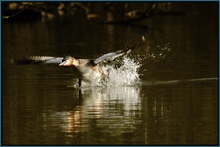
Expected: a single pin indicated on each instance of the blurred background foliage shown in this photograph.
(124, 12)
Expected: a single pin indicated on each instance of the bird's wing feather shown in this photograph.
(38, 60)
(111, 56)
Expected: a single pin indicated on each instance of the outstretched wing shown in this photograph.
(111, 56)
(38, 60)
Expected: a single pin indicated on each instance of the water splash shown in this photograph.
(122, 73)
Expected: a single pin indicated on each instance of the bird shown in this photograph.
(87, 70)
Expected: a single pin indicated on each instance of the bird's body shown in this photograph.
(85, 70)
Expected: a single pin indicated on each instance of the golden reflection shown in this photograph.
(64, 120)
(115, 110)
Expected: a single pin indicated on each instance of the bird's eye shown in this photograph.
(65, 58)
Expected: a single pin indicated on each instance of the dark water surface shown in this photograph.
(177, 102)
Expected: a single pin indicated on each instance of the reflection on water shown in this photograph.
(114, 111)
(177, 113)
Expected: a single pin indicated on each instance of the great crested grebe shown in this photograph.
(87, 70)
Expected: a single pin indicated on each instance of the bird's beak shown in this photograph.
(63, 63)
